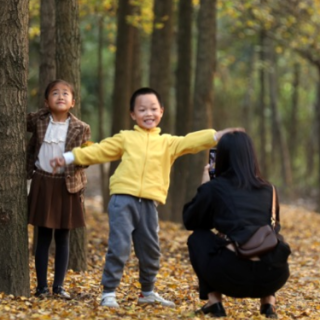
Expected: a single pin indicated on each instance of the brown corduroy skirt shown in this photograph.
(50, 204)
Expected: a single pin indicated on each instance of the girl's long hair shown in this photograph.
(236, 155)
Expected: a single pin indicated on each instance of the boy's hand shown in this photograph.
(56, 163)
(220, 133)
(205, 174)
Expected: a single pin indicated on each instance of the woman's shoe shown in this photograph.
(216, 310)
(268, 310)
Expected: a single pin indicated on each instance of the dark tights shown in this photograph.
(61, 237)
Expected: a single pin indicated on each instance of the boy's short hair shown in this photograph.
(53, 83)
(143, 91)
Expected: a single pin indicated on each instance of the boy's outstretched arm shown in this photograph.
(220, 133)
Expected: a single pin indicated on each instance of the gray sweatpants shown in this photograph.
(136, 219)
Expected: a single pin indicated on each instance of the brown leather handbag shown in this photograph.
(263, 240)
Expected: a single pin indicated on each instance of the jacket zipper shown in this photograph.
(144, 165)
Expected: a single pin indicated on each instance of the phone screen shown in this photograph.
(212, 162)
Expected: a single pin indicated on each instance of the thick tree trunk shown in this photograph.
(160, 67)
(203, 89)
(14, 260)
(68, 68)
(184, 108)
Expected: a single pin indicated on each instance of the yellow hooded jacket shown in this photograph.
(146, 159)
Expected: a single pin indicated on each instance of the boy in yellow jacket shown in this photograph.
(140, 182)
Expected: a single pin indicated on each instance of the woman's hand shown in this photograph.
(205, 174)
(56, 163)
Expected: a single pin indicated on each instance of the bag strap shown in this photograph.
(274, 217)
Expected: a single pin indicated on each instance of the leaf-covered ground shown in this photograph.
(299, 299)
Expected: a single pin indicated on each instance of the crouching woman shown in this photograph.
(235, 203)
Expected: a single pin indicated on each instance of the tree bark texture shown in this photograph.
(78, 249)
(203, 88)
(47, 70)
(14, 260)
(68, 69)
(68, 46)
(184, 107)
(160, 77)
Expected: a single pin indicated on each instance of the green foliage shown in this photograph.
(293, 27)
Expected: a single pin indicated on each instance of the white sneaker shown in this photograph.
(155, 298)
(109, 301)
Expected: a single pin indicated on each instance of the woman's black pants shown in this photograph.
(221, 270)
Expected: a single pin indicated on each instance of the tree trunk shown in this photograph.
(262, 108)
(160, 68)
(317, 116)
(68, 46)
(203, 89)
(184, 109)
(123, 69)
(68, 69)
(247, 103)
(123, 75)
(47, 69)
(14, 260)
(293, 127)
(160, 72)
(104, 169)
(279, 143)
(136, 73)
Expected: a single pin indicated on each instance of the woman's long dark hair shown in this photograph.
(235, 154)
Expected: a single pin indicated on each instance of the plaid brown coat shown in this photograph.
(78, 133)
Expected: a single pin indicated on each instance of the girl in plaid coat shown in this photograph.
(55, 202)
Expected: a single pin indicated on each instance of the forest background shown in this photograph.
(216, 64)
(261, 60)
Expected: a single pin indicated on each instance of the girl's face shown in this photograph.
(147, 111)
(60, 101)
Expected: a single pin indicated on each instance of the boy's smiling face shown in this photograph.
(147, 111)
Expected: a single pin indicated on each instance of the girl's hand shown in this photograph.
(56, 163)
(205, 174)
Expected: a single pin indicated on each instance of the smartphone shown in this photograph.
(212, 162)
